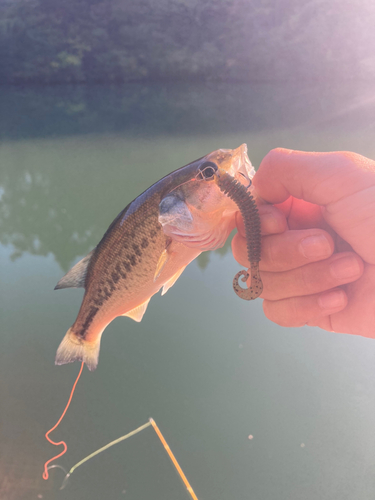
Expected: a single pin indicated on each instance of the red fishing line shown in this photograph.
(45, 473)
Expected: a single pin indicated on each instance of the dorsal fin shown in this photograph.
(75, 278)
(138, 312)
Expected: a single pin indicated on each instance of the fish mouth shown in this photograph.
(234, 162)
(241, 163)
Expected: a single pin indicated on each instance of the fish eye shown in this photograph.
(207, 170)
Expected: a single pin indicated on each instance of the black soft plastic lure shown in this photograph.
(245, 202)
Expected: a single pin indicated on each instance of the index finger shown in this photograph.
(320, 178)
(272, 221)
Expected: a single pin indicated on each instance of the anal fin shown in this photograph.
(168, 284)
(138, 312)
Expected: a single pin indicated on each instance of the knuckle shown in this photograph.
(268, 309)
(305, 279)
(347, 156)
(239, 250)
(279, 151)
(350, 159)
(285, 312)
(273, 156)
(270, 254)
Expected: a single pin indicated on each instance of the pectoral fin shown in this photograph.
(168, 284)
(75, 278)
(138, 312)
(163, 259)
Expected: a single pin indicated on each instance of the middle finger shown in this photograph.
(339, 269)
(288, 250)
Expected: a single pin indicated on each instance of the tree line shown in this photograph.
(83, 41)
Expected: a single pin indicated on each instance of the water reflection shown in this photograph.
(208, 367)
(57, 198)
(124, 139)
(34, 213)
(146, 110)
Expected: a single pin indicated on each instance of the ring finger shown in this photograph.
(311, 309)
(312, 278)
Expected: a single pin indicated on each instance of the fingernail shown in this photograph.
(315, 246)
(333, 299)
(346, 268)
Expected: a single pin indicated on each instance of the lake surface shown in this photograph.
(209, 368)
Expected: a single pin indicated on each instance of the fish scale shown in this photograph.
(148, 246)
(129, 256)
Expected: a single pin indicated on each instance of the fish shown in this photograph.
(150, 243)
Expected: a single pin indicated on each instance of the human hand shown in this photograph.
(318, 248)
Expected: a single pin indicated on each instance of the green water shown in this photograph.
(209, 368)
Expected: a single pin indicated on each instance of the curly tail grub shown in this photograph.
(245, 202)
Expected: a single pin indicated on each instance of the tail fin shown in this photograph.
(73, 348)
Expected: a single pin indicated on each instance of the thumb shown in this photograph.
(342, 182)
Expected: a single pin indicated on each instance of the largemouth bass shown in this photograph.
(153, 239)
